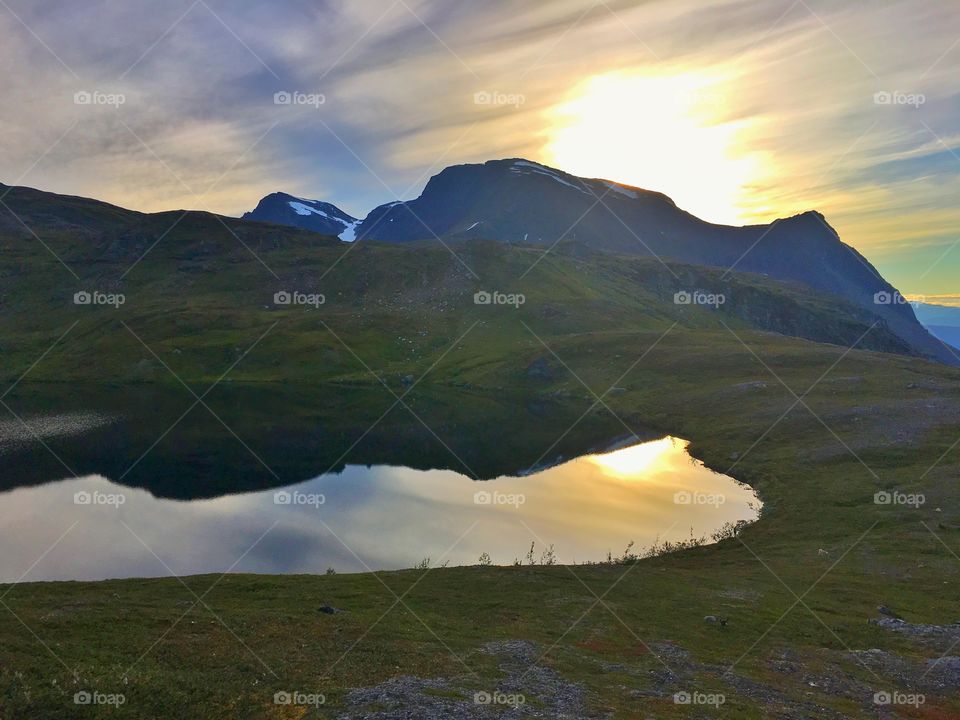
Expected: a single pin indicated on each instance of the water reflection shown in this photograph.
(378, 517)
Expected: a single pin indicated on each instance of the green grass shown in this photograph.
(817, 496)
(866, 421)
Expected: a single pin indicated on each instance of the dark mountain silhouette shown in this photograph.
(321, 217)
(520, 202)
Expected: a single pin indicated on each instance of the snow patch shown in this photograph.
(535, 166)
(301, 209)
(472, 226)
(522, 167)
(350, 232)
(622, 189)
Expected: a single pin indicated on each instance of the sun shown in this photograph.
(668, 133)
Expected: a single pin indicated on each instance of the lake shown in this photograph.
(104, 487)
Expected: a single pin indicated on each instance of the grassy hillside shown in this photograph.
(821, 537)
(815, 428)
(196, 291)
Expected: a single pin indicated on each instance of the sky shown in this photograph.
(742, 111)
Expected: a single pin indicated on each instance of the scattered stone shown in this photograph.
(917, 629)
(329, 610)
(545, 694)
(540, 369)
(945, 670)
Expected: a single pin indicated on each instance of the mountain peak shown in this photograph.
(322, 217)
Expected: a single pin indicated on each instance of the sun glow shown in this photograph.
(670, 134)
(633, 461)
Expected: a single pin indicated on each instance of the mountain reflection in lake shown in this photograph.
(362, 518)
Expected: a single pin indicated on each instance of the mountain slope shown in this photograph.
(521, 202)
(321, 217)
(204, 283)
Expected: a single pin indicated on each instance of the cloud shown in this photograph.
(199, 126)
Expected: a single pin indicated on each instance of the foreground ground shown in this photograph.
(809, 595)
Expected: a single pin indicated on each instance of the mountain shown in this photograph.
(943, 321)
(198, 288)
(321, 217)
(520, 202)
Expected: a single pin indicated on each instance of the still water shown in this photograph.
(369, 517)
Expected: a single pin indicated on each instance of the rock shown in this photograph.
(540, 370)
(329, 610)
(884, 610)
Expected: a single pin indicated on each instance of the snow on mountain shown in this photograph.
(526, 167)
(316, 215)
(526, 202)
